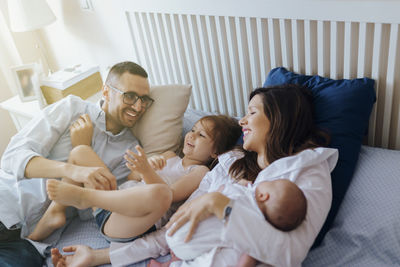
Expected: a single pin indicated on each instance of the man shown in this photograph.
(42, 147)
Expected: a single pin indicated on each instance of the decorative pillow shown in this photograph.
(160, 127)
(342, 108)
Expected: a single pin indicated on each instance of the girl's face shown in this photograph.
(255, 126)
(198, 144)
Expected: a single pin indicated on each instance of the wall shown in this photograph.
(103, 37)
(99, 37)
(9, 57)
(7, 126)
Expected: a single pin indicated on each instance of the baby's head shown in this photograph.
(210, 137)
(282, 203)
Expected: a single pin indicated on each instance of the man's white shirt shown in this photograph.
(23, 201)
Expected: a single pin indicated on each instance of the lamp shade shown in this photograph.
(28, 15)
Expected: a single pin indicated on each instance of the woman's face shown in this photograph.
(255, 126)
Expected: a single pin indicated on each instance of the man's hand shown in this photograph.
(82, 131)
(93, 177)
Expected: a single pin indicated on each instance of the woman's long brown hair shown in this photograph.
(289, 109)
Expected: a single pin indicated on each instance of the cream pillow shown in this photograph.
(160, 127)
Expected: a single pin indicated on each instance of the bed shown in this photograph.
(224, 51)
(365, 232)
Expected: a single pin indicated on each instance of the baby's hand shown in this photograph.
(137, 162)
(157, 162)
(81, 131)
(244, 182)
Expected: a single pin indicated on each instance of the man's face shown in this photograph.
(118, 114)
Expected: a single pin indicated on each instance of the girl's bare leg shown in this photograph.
(54, 217)
(134, 210)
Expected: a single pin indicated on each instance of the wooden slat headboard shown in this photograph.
(225, 53)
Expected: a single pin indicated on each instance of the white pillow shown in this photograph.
(160, 127)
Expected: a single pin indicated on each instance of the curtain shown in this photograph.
(9, 56)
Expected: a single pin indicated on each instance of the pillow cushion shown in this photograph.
(160, 127)
(342, 108)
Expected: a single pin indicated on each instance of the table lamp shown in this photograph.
(29, 15)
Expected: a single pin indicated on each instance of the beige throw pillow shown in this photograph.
(160, 127)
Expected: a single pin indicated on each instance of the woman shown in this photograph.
(280, 141)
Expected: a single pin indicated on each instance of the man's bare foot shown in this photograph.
(66, 194)
(53, 218)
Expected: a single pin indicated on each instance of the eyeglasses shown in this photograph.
(130, 98)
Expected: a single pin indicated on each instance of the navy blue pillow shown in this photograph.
(342, 108)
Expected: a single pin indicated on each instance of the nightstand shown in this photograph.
(22, 112)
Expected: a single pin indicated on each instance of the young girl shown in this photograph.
(126, 214)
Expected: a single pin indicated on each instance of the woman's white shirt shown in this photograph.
(247, 230)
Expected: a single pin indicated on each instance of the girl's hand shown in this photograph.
(196, 211)
(81, 131)
(137, 162)
(157, 162)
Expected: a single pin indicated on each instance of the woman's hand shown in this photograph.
(82, 131)
(196, 211)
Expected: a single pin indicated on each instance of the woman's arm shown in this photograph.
(247, 230)
(196, 211)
